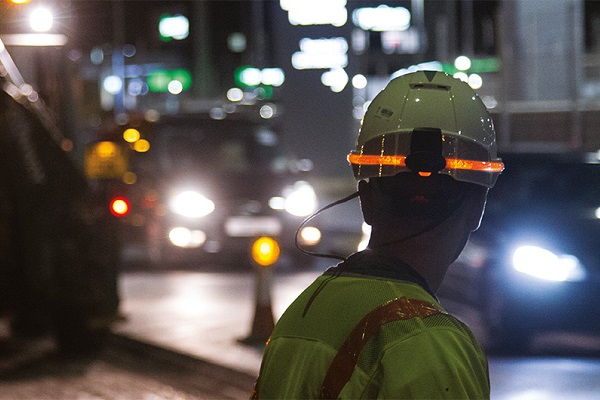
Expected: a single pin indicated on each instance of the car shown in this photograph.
(208, 187)
(533, 267)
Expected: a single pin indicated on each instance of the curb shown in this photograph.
(197, 365)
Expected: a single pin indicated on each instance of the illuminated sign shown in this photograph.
(248, 76)
(336, 79)
(382, 18)
(403, 42)
(321, 54)
(316, 12)
(159, 80)
(478, 65)
(173, 27)
(35, 39)
(105, 160)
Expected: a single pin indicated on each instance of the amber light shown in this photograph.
(265, 251)
(451, 163)
(119, 206)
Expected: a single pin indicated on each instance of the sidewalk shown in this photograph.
(202, 315)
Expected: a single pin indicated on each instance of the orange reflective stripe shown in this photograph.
(475, 165)
(451, 163)
(398, 161)
(345, 360)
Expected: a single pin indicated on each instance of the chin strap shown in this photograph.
(310, 217)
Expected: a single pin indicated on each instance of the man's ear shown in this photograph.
(366, 200)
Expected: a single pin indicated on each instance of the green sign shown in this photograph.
(158, 81)
(478, 66)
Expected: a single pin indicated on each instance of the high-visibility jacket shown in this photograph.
(370, 328)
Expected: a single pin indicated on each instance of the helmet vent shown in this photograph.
(433, 86)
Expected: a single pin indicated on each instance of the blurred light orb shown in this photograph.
(137, 87)
(175, 87)
(265, 251)
(316, 12)
(235, 94)
(336, 79)
(131, 135)
(358, 113)
(96, 56)
(359, 81)
(382, 18)
(267, 111)
(129, 50)
(251, 76)
(236, 42)
(310, 235)
(184, 237)
(462, 63)
(74, 55)
(106, 149)
(462, 76)
(475, 81)
(191, 204)
(217, 113)
(41, 19)
(229, 108)
(272, 76)
(112, 84)
(598, 212)
(130, 178)
(141, 146)
(66, 145)
(176, 27)
(489, 102)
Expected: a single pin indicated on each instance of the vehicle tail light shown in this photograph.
(119, 206)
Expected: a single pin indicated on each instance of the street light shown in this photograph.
(41, 19)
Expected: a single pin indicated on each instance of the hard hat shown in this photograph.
(427, 122)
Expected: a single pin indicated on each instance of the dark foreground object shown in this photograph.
(122, 369)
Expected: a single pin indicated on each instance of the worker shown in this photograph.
(372, 327)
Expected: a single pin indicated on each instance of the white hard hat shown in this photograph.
(423, 114)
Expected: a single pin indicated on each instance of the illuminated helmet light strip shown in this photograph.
(451, 163)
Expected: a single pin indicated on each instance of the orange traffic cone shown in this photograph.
(265, 253)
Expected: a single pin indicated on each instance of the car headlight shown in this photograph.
(191, 204)
(184, 237)
(299, 200)
(544, 264)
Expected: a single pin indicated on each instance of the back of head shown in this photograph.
(426, 143)
(410, 201)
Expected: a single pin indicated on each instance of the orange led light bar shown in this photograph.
(451, 163)
(396, 161)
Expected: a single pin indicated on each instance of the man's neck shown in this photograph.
(429, 254)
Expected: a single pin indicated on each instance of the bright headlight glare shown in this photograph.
(300, 199)
(191, 204)
(184, 237)
(544, 264)
(277, 203)
(310, 235)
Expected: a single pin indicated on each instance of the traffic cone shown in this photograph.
(264, 321)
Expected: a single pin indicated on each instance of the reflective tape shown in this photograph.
(451, 163)
(345, 360)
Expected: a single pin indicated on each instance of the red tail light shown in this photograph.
(119, 206)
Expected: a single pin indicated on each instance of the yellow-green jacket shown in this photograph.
(333, 342)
